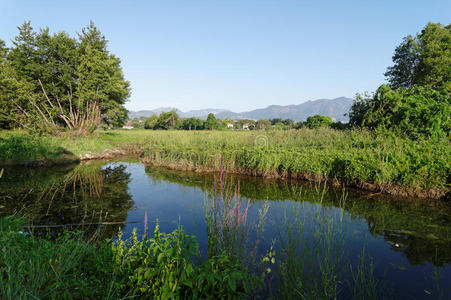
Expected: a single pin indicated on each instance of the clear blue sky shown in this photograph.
(241, 54)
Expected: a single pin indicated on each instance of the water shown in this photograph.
(408, 240)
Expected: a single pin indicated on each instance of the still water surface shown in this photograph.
(407, 240)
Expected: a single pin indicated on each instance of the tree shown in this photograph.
(300, 124)
(435, 65)
(66, 67)
(423, 59)
(102, 74)
(192, 124)
(418, 100)
(250, 123)
(151, 122)
(167, 120)
(3, 50)
(13, 92)
(288, 122)
(318, 121)
(275, 121)
(263, 124)
(405, 71)
(211, 122)
(417, 111)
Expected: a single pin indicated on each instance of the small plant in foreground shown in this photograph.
(164, 267)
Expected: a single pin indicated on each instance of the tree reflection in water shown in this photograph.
(86, 193)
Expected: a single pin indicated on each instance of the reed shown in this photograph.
(226, 216)
(359, 156)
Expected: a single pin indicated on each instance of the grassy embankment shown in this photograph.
(368, 160)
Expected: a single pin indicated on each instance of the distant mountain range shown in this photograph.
(335, 108)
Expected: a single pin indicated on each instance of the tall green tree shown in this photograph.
(3, 50)
(68, 68)
(423, 59)
(417, 102)
(167, 120)
(405, 71)
(102, 76)
(435, 66)
(13, 91)
(151, 122)
(192, 124)
(211, 122)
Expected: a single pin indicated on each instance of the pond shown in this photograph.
(326, 241)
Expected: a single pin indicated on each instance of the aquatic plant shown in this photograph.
(312, 242)
(364, 284)
(226, 217)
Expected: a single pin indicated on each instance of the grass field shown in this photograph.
(359, 155)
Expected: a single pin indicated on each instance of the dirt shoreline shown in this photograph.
(390, 189)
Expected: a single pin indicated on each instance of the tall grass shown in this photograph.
(66, 268)
(364, 284)
(363, 156)
(228, 230)
(356, 155)
(312, 249)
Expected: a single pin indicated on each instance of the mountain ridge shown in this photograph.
(334, 108)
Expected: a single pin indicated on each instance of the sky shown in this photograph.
(239, 54)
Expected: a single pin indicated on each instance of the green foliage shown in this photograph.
(423, 59)
(13, 92)
(66, 268)
(192, 124)
(138, 123)
(67, 67)
(158, 267)
(378, 157)
(162, 267)
(242, 122)
(263, 124)
(375, 157)
(17, 147)
(3, 50)
(404, 72)
(167, 120)
(418, 101)
(417, 111)
(288, 122)
(211, 122)
(151, 122)
(319, 121)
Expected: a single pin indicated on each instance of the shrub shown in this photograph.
(319, 121)
(416, 112)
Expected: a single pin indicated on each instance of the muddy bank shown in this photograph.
(390, 189)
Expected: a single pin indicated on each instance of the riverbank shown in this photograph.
(377, 162)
